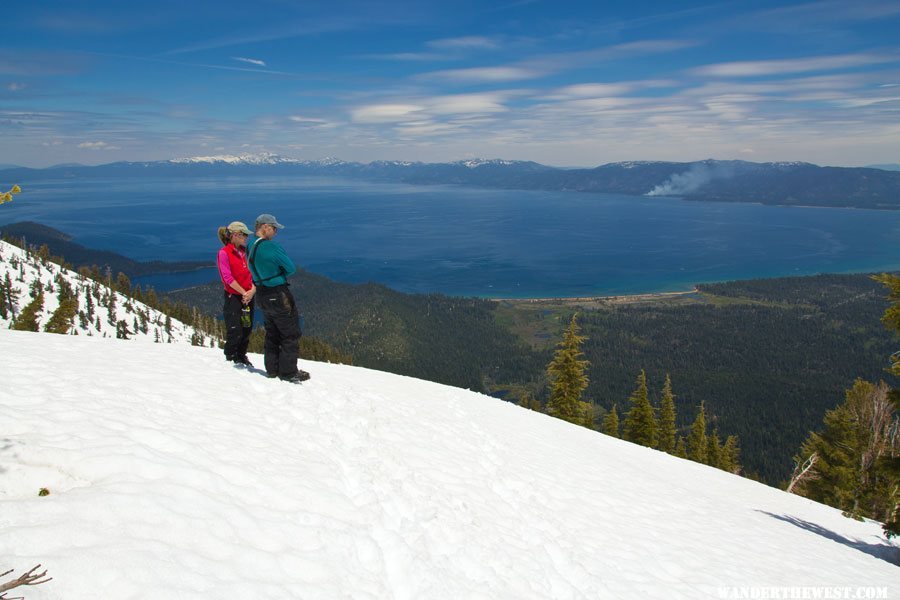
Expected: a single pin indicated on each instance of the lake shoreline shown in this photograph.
(606, 300)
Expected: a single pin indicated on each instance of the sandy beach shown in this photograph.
(601, 300)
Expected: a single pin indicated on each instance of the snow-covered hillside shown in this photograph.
(174, 475)
(94, 319)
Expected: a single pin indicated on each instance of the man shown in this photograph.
(271, 267)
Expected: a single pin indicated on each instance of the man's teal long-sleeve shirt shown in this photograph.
(267, 259)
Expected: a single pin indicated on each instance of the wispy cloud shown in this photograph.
(483, 103)
(410, 57)
(442, 50)
(304, 28)
(547, 64)
(484, 74)
(602, 90)
(21, 62)
(252, 61)
(828, 11)
(467, 42)
(97, 146)
(16, 86)
(166, 61)
(384, 113)
(793, 65)
(312, 122)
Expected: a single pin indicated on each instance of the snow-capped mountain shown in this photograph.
(168, 473)
(126, 319)
(263, 158)
(474, 163)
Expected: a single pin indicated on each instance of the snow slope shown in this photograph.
(23, 268)
(174, 475)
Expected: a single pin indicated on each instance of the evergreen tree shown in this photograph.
(889, 466)
(111, 317)
(89, 305)
(566, 373)
(526, 400)
(611, 422)
(697, 445)
(122, 332)
(640, 422)
(152, 300)
(63, 317)
(28, 318)
(588, 414)
(6, 307)
(729, 457)
(713, 448)
(834, 478)
(848, 469)
(123, 284)
(680, 448)
(12, 296)
(667, 429)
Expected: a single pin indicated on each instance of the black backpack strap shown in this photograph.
(251, 256)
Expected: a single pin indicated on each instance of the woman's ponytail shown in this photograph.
(224, 235)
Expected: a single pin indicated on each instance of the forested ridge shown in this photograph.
(768, 357)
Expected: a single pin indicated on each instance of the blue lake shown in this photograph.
(466, 241)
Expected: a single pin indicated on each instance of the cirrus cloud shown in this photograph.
(384, 113)
(760, 68)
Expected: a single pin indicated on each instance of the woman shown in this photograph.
(239, 292)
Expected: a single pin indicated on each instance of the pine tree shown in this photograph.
(667, 429)
(588, 414)
(729, 457)
(111, 317)
(123, 284)
(527, 400)
(640, 422)
(63, 317)
(4, 309)
(713, 448)
(680, 448)
(697, 446)
(566, 373)
(122, 332)
(611, 422)
(889, 466)
(28, 318)
(849, 468)
(834, 479)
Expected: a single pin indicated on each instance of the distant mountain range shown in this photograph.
(782, 183)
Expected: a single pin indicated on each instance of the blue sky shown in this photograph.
(562, 83)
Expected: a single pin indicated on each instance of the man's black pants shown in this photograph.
(282, 329)
(237, 336)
